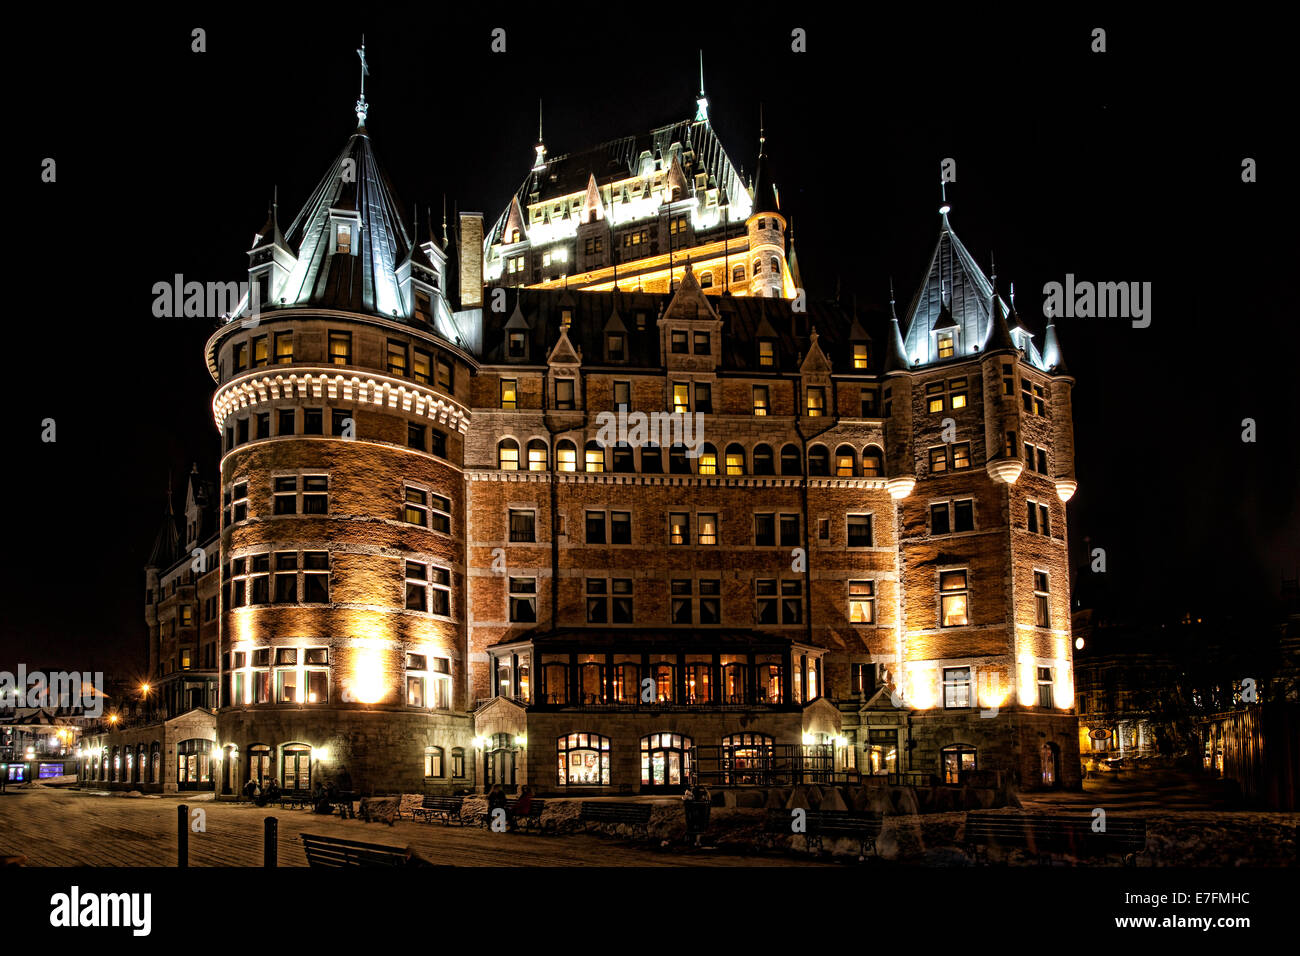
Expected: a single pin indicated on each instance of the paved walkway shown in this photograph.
(69, 828)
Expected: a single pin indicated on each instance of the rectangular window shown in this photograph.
(283, 348)
(790, 530)
(415, 436)
(260, 356)
(1042, 460)
(260, 581)
(341, 422)
(939, 521)
(523, 600)
(870, 402)
(417, 586)
(315, 577)
(620, 527)
(934, 397)
(956, 687)
(859, 355)
(595, 527)
(422, 366)
(938, 460)
(564, 393)
(860, 531)
(764, 530)
(711, 601)
(313, 421)
(1045, 696)
(679, 528)
(1008, 379)
(947, 344)
(445, 375)
(516, 347)
(509, 393)
(678, 342)
(263, 424)
(681, 398)
(953, 598)
(816, 401)
(523, 525)
(1042, 610)
(957, 393)
(766, 353)
(284, 498)
(241, 356)
(681, 607)
(286, 421)
(765, 601)
(700, 343)
(440, 591)
(622, 396)
(760, 400)
(963, 515)
(961, 456)
(862, 602)
(1009, 445)
(286, 578)
(340, 348)
(791, 601)
(704, 398)
(708, 528)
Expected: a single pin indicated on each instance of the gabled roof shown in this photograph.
(367, 281)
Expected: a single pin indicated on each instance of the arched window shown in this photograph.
(583, 760)
(677, 461)
(819, 460)
(117, 764)
(130, 765)
(508, 455)
(845, 461)
(955, 758)
(735, 459)
(259, 763)
(774, 264)
(706, 279)
(155, 763)
(295, 771)
(537, 457)
(763, 464)
(566, 456)
(873, 462)
(652, 459)
(738, 274)
(758, 266)
(591, 681)
(499, 760)
(746, 758)
(665, 760)
(595, 457)
(791, 460)
(663, 674)
(193, 764)
(709, 460)
(141, 763)
(433, 761)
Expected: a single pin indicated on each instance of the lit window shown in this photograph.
(594, 457)
(508, 455)
(938, 460)
(708, 461)
(679, 528)
(816, 401)
(583, 760)
(1042, 610)
(766, 349)
(873, 462)
(537, 458)
(956, 687)
(564, 394)
(960, 456)
(1045, 696)
(862, 602)
(845, 461)
(523, 600)
(760, 400)
(952, 588)
(681, 398)
(947, 345)
(566, 456)
(934, 397)
(735, 460)
(708, 528)
(343, 244)
(859, 355)
(509, 393)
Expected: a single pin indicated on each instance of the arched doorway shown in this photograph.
(295, 770)
(665, 761)
(259, 764)
(194, 765)
(1051, 761)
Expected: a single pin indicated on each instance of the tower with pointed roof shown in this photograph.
(342, 403)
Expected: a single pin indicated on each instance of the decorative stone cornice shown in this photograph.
(321, 384)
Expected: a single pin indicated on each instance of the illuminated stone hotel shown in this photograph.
(438, 562)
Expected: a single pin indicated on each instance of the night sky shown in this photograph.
(1122, 166)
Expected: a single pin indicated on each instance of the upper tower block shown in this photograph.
(766, 228)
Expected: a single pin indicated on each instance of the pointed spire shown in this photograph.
(540, 162)
(1052, 356)
(446, 236)
(896, 351)
(999, 337)
(362, 107)
(166, 545)
(793, 260)
(701, 101)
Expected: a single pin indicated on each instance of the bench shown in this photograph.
(445, 809)
(531, 820)
(294, 799)
(830, 824)
(335, 852)
(1047, 836)
(629, 814)
(343, 803)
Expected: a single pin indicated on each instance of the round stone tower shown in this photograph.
(342, 401)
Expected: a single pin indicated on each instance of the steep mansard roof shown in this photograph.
(956, 294)
(745, 319)
(366, 282)
(619, 159)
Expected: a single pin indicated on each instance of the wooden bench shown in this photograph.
(335, 852)
(446, 809)
(629, 814)
(829, 824)
(1049, 835)
(294, 799)
(531, 820)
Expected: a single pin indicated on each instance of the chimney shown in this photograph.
(471, 260)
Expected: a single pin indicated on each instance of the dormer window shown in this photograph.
(514, 235)
(766, 353)
(516, 346)
(566, 318)
(947, 342)
(706, 280)
(343, 239)
(615, 350)
(859, 354)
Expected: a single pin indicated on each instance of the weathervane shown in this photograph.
(362, 106)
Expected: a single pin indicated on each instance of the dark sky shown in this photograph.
(1122, 166)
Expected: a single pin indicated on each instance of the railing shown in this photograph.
(732, 705)
(767, 766)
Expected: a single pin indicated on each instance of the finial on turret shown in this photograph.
(944, 207)
(362, 107)
(702, 101)
(540, 162)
